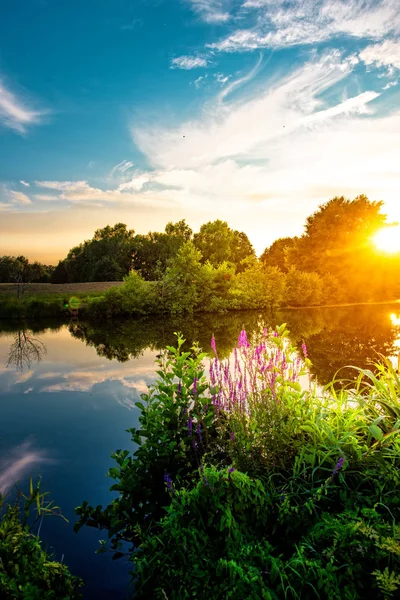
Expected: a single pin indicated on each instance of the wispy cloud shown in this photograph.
(15, 111)
(278, 24)
(188, 62)
(25, 183)
(386, 55)
(241, 81)
(21, 460)
(83, 193)
(122, 167)
(20, 198)
(212, 11)
(236, 130)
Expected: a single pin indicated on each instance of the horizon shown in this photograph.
(250, 111)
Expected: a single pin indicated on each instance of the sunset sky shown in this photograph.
(147, 111)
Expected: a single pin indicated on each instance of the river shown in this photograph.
(67, 395)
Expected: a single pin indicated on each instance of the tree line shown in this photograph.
(334, 260)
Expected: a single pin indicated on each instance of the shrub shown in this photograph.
(27, 572)
(245, 485)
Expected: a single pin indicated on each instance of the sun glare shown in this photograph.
(388, 239)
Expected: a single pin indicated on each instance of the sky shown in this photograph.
(150, 111)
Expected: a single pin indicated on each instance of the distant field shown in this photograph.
(61, 288)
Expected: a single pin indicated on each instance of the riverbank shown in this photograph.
(108, 300)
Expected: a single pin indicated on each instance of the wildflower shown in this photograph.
(195, 387)
(213, 345)
(338, 466)
(304, 348)
(231, 470)
(242, 341)
(198, 431)
(179, 390)
(168, 482)
(232, 436)
(190, 426)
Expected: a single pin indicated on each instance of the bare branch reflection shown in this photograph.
(25, 350)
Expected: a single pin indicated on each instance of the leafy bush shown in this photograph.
(244, 485)
(26, 570)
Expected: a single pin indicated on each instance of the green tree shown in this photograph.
(183, 288)
(107, 256)
(152, 252)
(275, 255)
(217, 243)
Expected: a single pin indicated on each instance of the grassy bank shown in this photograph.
(44, 300)
(243, 485)
(209, 293)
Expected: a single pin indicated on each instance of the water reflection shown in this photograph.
(335, 337)
(25, 350)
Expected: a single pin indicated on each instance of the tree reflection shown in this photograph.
(25, 350)
(335, 337)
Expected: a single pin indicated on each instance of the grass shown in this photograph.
(60, 288)
(47, 300)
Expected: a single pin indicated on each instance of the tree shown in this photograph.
(107, 255)
(152, 252)
(275, 255)
(338, 241)
(217, 243)
(183, 284)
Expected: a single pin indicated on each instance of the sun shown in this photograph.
(388, 239)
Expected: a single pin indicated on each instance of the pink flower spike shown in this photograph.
(242, 341)
(213, 345)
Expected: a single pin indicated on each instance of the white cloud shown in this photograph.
(277, 24)
(385, 54)
(83, 193)
(46, 197)
(198, 82)
(239, 82)
(15, 112)
(25, 183)
(390, 84)
(20, 198)
(237, 130)
(122, 167)
(212, 11)
(188, 62)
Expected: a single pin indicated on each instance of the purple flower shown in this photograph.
(179, 390)
(213, 345)
(231, 470)
(168, 481)
(275, 334)
(242, 341)
(190, 426)
(195, 387)
(304, 348)
(338, 466)
(198, 431)
(232, 436)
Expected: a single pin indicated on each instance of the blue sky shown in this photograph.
(146, 111)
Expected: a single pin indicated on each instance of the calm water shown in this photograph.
(67, 396)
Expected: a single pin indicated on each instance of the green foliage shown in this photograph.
(19, 270)
(219, 243)
(152, 252)
(106, 257)
(276, 254)
(258, 287)
(303, 289)
(27, 572)
(255, 488)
